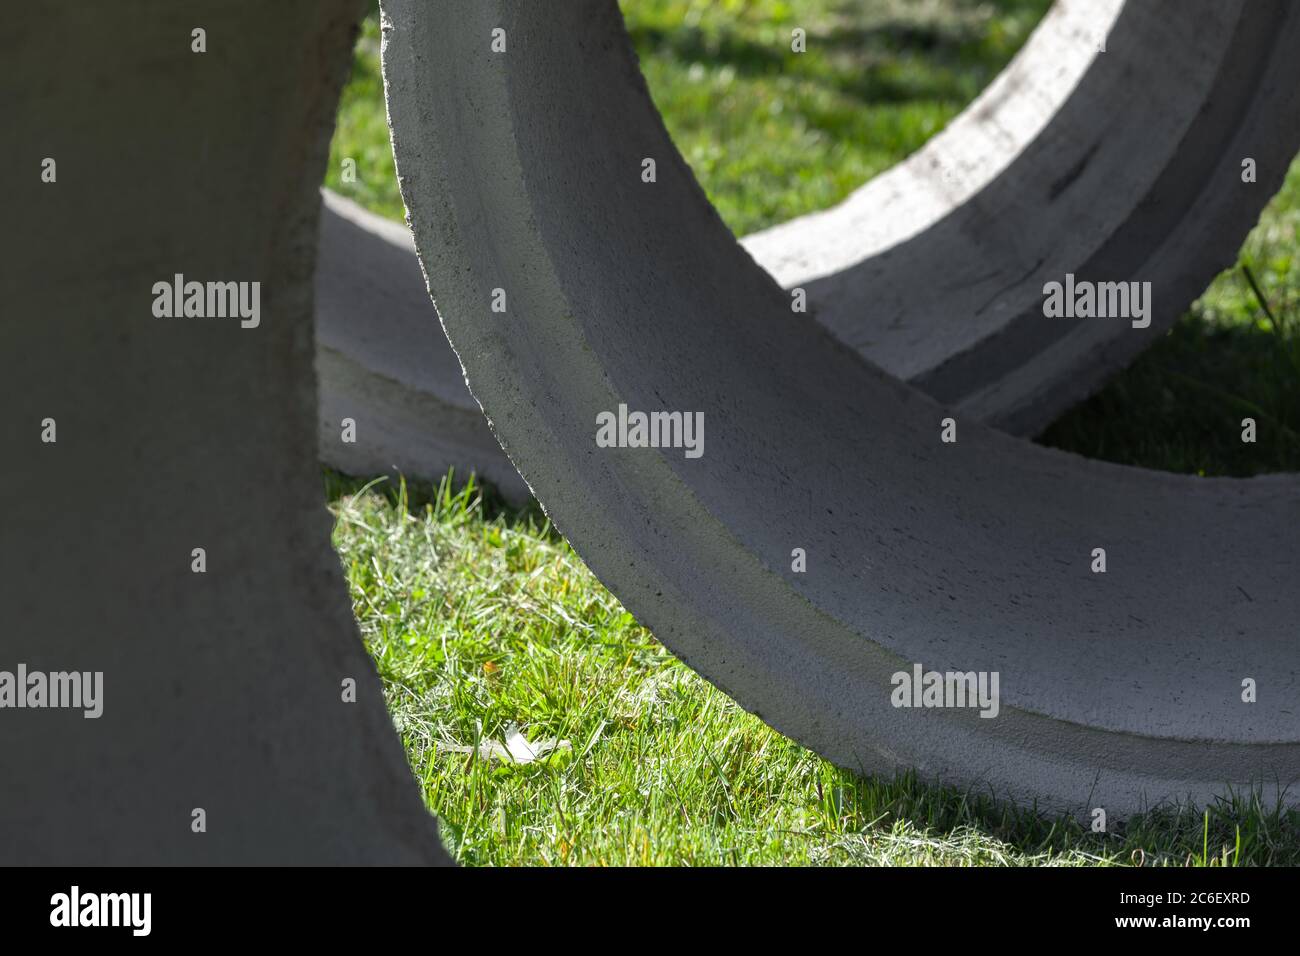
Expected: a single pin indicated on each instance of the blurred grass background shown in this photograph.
(482, 619)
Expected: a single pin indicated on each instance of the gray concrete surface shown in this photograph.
(221, 691)
(522, 171)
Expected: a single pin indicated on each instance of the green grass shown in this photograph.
(480, 619)
(773, 134)
(361, 133)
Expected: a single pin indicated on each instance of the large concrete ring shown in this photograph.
(1121, 163)
(1173, 674)
(166, 528)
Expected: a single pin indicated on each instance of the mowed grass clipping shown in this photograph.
(482, 621)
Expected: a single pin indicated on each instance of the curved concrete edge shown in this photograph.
(1118, 689)
(392, 394)
(955, 165)
(223, 734)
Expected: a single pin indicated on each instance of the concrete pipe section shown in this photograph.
(882, 578)
(1111, 147)
(181, 677)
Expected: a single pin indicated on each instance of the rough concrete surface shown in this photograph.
(221, 691)
(522, 171)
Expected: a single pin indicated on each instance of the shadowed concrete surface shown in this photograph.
(221, 691)
(522, 171)
(384, 362)
(1115, 165)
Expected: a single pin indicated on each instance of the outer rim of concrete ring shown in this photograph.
(396, 377)
(1098, 709)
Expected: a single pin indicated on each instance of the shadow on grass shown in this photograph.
(1179, 407)
(1237, 830)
